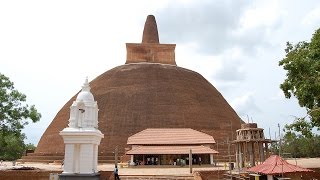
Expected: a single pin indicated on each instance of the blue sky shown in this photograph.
(47, 48)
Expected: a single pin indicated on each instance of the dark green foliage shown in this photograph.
(14, 115)
(301, 146)
(30, 147)
(11, 146)
(302, 126)
(302, 63)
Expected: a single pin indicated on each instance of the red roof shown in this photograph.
(171, 150)
(276, 165)
(170, 136)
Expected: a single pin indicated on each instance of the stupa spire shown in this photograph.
(150, 31)
(150, 50)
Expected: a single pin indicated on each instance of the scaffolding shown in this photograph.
(251, 146)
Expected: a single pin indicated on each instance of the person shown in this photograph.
(199, 161)
(115, 172)
(62, 163)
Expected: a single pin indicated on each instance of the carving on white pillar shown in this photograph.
(82, 136)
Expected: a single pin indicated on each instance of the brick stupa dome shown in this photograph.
(149, 91)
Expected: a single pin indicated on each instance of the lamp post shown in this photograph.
(190, 161)
(279, 140)
(280, 150)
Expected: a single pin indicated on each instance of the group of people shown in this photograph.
(148, 161)
(152, 161)
(182, 162)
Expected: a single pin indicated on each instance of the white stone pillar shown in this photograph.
(86, 159)
(68, 159)
(95, 157)
(211, 159)
(76, 155)
(270, 177)
(131, 161)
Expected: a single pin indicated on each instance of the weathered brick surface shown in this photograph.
(149, 92)
(209, 175)
(25, 174)
(134, 97)
(150, 31)
(41, 175)
(249, 125)
(151, 52)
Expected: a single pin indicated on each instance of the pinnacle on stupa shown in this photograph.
(150, 50)
(150, 31)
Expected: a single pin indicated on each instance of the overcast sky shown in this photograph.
(47, 48)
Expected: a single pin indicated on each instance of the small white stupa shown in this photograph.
(82, 137)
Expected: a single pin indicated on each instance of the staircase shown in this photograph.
(156, 177)
(108, 158)
(41, 159)
(58, 158)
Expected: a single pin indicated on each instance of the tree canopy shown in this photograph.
(299, 145)
(302, 63)
(14, 115)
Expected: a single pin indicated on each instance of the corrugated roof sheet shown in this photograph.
(171, 150)
(170, 136)
(276, 165)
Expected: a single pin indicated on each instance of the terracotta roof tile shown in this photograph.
(171, 136)
(276, 165)
(171, 150)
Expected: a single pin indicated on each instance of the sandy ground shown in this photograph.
(122, 170)
(303, 162)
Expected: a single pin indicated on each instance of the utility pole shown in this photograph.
(280, 148)
(190, 161)
(279, 140)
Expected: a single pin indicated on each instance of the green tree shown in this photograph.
(12, 146)
(302, 63)
(30, 147)
(301, 146)
(14, 115)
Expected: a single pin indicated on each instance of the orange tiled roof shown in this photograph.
(170, 136)
(171, 150)
(276, 165)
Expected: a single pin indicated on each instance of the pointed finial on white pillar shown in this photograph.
(85, 95)
(86, 85)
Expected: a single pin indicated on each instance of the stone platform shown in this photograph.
(94, 176)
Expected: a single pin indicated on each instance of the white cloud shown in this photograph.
(245, 104)
(261, 13)
(313, 17)
(231, 68)
(278, 96)
(48, 48)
